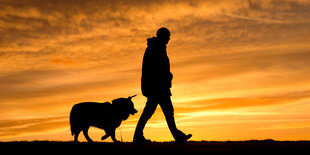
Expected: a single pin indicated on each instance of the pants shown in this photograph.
(149, 109)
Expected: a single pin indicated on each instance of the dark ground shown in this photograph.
(160, 148)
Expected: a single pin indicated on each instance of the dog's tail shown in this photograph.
(72, 120)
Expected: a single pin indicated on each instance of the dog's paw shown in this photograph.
(104, 137)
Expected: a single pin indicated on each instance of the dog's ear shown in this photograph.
(130, 97)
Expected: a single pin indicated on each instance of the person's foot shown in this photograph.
(183, 138)
(141, 140)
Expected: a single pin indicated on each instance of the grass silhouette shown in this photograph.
(268, 146)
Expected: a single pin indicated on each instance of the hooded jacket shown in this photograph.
(156, 76)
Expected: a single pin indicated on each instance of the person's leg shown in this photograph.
(167, 108)
(147, 113)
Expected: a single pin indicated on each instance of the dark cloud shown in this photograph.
(55, 28)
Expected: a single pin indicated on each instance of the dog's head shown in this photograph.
(124, 106)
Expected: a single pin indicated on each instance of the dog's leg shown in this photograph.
(85, 132)
(76, 135)
(113, 136)
(105, 136)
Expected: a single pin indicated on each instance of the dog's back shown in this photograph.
(85, 113)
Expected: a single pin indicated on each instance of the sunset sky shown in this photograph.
(241, 68)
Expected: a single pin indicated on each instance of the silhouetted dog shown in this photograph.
(105, 116)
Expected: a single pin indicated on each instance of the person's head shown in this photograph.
(163, 34)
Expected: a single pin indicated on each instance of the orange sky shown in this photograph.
(241, 68)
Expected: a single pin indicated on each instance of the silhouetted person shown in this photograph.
(156, 84)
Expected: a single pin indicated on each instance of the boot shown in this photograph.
(181, 137)
(140, 140)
